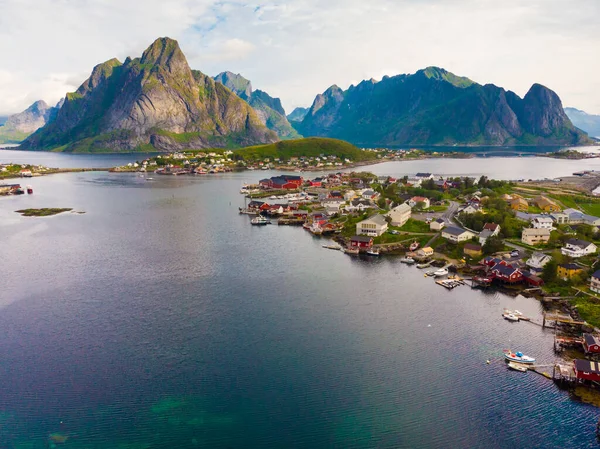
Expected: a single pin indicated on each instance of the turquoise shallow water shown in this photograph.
(161, 319)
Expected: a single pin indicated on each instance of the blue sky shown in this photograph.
(296, 49)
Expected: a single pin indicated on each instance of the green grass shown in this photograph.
(413, 225)
(310, 147)
(436, 209)
(43, 212)
(588, 308)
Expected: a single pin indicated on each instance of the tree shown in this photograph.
(549, 271)
(493, 245)
(420, 205)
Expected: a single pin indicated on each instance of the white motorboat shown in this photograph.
(335, 247)
(351, 251)
(517, 367)
(373, 252)
(510, 316)
(518, 357)
(407, 260)
(260, 221)
(441, 272)
(424, 265)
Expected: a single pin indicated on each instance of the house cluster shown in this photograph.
(24, 171)
(508, 272)
(11, 189)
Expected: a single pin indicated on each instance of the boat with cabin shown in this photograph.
(518, 357)
(424, 265)
(407, 260)
(510, 316)
(373, 251)
(260, 221)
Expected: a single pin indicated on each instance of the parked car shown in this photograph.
(514, 253)
(393, 231)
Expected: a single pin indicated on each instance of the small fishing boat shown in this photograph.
(29, 190)
(260, 221)
(373, 252)
(510, 316)
(441, 272)
(407, 260)
(518, 357)
(517, 367)
(413, 246)
(335, 247)
(424, 265)
(351, 251)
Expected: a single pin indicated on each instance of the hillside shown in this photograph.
(152, 103)
(269, 109)
(436, 107)
(309, 147)
(589, 123)
(297, 115)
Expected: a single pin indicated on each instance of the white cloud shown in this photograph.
(295, 49)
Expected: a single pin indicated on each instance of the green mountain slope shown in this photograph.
(435, 107)
(268, 109)
(152, 103)
(19, 126)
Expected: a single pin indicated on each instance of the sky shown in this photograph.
(295, 49)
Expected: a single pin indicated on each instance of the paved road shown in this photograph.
(449, 214)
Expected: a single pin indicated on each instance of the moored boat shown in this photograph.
(29, 190)
(517, 367)
(424, 265)
(518, 357)
(373, 252)
(260, 221)
(407, 260)
(510, 316)
(441, 272)
(351, 251)
(335, 247)
(413, 246)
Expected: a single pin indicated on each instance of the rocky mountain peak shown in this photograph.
(164, 52)
(235, 82)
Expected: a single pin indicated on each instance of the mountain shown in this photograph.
(18, 126)
(297, 115)
(152, 103)
(3, 119)
(436, 107)
(588, 122)
(268, 109)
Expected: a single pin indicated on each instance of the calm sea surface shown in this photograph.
(161, 319)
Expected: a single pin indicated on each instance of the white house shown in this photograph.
(595, 282)
(456, 235)
(537, 261)
(369, 194)
(470, 209)
(578, 248)
(373, 226)
(542, 223)
(437, 225)
(424, 176)
(419, 199)
(414, 182)
(400, 214)
(349, 195)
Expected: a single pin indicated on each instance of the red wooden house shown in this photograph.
(506, 273)
(361, 241)
(587, 370)
(591, 344)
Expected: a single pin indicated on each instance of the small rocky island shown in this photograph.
(43, 212)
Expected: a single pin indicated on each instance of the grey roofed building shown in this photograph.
(453, 230)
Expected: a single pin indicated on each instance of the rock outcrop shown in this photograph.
(436, 107)
(152, 103)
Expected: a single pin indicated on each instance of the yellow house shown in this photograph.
(519, 204)
(568, 270)
(547, 205)
(425, 252)
(473, 250)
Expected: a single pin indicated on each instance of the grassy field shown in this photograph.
(413, 225)
(589, 309)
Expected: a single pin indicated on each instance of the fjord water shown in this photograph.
(161, 319)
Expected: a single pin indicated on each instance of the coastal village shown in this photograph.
(462, 232)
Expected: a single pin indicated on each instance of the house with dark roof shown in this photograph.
(568, 270)
(578, 248)
(456, 235)
(587, 370)
(361, 242)
(437, 224)
(591, 344)
(595, 282)
(424, 175)
(506, 273)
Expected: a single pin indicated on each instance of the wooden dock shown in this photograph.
(560, 318)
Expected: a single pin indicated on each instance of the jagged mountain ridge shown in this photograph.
(297, 115)
(18, 126)
(436, 107)
(156, 102)
(269, 109)
(589, 123)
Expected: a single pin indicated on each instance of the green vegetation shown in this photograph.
(309, 147)
(12, 136)
(413, 225)
(44, 212)
(588, 308)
